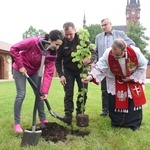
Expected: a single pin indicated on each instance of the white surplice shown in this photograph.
(102, 69)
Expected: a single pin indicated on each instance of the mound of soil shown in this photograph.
(55, 132)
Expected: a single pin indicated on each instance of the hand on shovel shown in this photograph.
(43, 97)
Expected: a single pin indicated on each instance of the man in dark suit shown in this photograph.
(103, 41)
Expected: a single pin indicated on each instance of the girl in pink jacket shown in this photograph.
(27, 56)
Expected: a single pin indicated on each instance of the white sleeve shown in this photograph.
(139, 75)
(99, 71)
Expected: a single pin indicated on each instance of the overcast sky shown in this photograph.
(16, 16)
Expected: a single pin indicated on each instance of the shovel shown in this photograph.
(45, 100)
(32, 137)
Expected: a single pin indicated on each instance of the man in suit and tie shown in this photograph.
(103, 41)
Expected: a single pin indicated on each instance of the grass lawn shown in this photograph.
(102, 136)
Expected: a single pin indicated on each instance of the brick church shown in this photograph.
(132, 14)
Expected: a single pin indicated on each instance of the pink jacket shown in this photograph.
(28, 54)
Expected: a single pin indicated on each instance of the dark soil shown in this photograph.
(55, 132)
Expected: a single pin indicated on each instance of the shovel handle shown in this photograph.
(35, 87)
(47, 104)
(45, 100)
(42, 42)
(32, 83)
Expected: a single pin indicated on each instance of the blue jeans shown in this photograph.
(20, 82)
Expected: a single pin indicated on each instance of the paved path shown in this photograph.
(147, 80)
(1, 80)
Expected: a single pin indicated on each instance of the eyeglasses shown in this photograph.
(103, 25)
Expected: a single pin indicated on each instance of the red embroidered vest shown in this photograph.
(136, 89)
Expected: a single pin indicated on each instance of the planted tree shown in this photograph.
(83, 52)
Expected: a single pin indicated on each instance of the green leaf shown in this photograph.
(83, 50)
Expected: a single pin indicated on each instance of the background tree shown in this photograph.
(93, 30)
(137, 33)
(31, 32)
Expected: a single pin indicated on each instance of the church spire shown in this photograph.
(133, 2)
(84, 20)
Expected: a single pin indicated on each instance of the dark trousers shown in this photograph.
(69, 92)
(104, 96)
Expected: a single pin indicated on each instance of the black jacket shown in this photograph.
(64, 59)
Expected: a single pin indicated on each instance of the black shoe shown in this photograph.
(103, 114)
(135, 128)
(67, 119)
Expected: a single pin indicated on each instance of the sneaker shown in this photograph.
(17, 128)
(43, 121)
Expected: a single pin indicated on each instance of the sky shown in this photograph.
(16, 16)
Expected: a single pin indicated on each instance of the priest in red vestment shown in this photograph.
(125, 70)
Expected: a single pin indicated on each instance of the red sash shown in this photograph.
(122, 87)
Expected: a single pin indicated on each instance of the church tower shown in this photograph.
(133, 11)
(84, 20)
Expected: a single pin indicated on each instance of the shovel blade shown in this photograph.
(31, 138)
(55, 115)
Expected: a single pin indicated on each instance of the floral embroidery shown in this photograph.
(130, 65)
